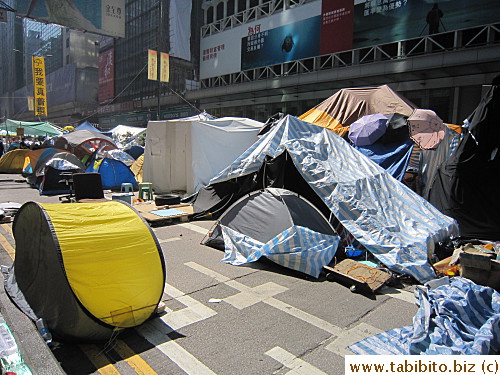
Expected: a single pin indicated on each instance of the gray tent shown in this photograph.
(280, 225)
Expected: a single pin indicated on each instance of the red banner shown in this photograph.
(106, 75)
(337, 24)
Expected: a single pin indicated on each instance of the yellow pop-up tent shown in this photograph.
(87, 269)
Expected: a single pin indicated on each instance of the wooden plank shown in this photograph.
(145, 210)
(358, 275)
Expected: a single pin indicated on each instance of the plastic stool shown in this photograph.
(146, 188)
(126, 197)
(126, 187)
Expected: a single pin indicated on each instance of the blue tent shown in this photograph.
(113, 173)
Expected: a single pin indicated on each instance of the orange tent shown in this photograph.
(344, 107)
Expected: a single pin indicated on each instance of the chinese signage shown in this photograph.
(165, 67)
(106, 76)
(153, 66)
(39, 86)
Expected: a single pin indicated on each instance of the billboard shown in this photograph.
(326, 26)
(106, 17)
(106, 75)
(385, 21)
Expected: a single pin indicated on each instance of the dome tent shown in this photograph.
(85, 286)
(280, 225)
(113, 173)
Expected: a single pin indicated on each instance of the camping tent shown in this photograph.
(466, 185)
(113, 173)
(86, 269)
(344, 107)
(185, 154)
(136, 168)
(395, 224)
(135, 151)
(32, 128)
(280, 225)
(84, 142)
(13, 161)
(87, 126)
(49, 176)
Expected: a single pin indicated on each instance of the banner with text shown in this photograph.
(39, 86)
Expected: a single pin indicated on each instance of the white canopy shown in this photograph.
(184, 154)
(119, 132)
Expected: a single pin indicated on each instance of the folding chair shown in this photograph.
(88, 187)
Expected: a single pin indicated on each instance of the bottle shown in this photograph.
(42, 328)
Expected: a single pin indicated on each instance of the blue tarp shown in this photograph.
(393, 157)
(456, 316)
(297, 248)
(394, 223)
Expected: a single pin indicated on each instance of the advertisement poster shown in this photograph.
(282, 44)
(337, 22)
(326, 26)
(106, 75)
(384, 21)
(106, 17)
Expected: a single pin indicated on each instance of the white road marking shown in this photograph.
(254, 295)
(263, 296)
(351, 336)
(195, 311)
(297, 365)
(194, 227)
(399, 294)
(169, 240)
(180, 356)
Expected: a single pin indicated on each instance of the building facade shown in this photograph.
(254, 58)
(261, 57)
(126, 95)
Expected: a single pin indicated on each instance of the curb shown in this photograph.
(36, 354)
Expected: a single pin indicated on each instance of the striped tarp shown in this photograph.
(456, 316)
(297, 248)
(395, 224)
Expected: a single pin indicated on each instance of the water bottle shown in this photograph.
(42, 328)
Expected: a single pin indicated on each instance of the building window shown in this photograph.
(67, 43)
(220, 11)
(67, 59)
(210, 15)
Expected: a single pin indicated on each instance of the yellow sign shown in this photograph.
(39, 86)
(152, 65)
(164, 67)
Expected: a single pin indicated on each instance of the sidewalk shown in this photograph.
(36, 354)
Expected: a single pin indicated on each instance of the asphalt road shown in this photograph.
(219, 319)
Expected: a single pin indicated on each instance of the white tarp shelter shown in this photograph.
(119, 132)
(184, 154)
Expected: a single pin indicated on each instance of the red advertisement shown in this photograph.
(106, 75)
(337, 23)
